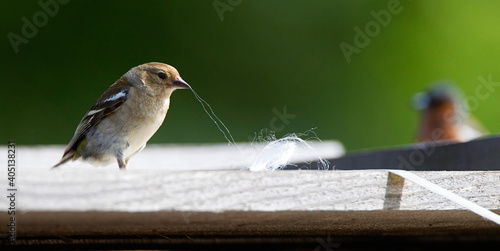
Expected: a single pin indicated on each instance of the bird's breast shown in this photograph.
(149, 116)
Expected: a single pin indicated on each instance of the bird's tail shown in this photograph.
(67, 156)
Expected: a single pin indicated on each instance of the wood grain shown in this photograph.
(240, 190)
(166, 203)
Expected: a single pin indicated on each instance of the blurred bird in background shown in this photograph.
(444, 115)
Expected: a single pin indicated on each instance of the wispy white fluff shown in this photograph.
(218, 122)
(278, 153)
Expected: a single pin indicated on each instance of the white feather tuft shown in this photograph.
(278, 153)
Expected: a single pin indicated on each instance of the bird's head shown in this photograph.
(161, 78)
(438, 96)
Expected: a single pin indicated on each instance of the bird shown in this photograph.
(125, 116)
(444, 115)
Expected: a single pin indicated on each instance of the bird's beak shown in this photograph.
(179, 83)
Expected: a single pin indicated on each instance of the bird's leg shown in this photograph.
(128, 158)
(121, 163)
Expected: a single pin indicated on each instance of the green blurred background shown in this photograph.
(262, 57)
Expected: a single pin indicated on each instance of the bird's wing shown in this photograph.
(109, 102)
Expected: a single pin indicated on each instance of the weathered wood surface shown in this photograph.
(171, 224)
(239, 190)
(202, 208)
(148, 187)
(165, 199)
(172, 157)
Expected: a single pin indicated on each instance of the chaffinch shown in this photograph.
(444, 115)
(125, 116)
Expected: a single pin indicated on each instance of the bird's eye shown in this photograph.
(162, 75)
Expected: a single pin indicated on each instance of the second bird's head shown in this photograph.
(156, 78)
(439, 96)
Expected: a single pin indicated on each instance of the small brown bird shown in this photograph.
(444, 116)
(125, 116)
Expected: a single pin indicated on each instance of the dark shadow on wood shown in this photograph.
(393, 192)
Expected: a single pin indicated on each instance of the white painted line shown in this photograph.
(483, 212)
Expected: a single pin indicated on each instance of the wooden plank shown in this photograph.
(165, 203)
(239, 190)
(232, 223)
(480, 155)
(171, 156)
(307, 230)
(106, 189)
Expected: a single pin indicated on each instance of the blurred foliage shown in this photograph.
(262, 57)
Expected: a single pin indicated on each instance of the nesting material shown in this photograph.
(218, 122)
(279, 153)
